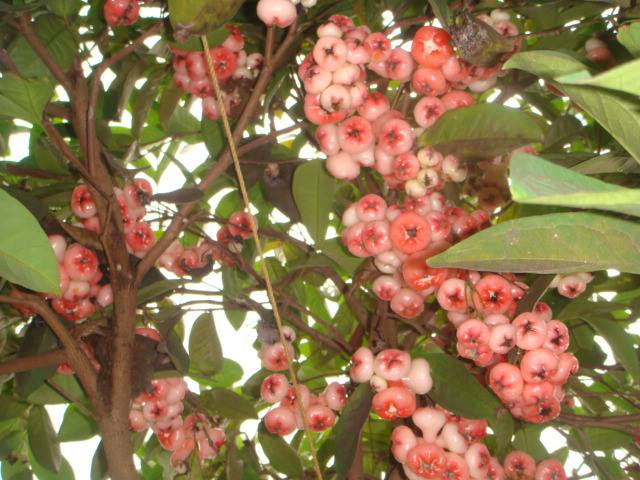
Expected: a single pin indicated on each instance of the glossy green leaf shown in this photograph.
(38, 338)
(540, 182)
(349, 428)
(10, 408)
(227, 404)
(629, 37)
(15, 471)
(76, 426)
(99, 464)
(617, 112)
(24, 99)
(66, 9)
(620, 342)
(482, 131)
(45, 395)
(465, 396)
(42, 439)
(554, 243)
(528, 440)
(623, 78)
(603, 438)
(280, 454)
(313, 191)
(442, 12)
(42, 473)
(26, 256)
(58, 39)
(205, 350)
(607, 163)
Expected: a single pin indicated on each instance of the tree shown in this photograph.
(441, 218)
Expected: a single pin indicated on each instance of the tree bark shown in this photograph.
(116, 440)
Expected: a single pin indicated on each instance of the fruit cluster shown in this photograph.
(161, 408)
(451, 447)
(194, 259)
(401, 238)
(287, 416)
(395, 377)
(357, 126)
(81, 281)
(121, 12)
(132, 200)
(234, 68)
(532, 384)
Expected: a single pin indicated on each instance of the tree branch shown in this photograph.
(24, 26)
(76, 357)
(24, 364)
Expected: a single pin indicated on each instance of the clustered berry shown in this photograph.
(121, 12)
(357, 126)
(234, 68)
(450, 447)
(395, 377)
(161, 409)
(287, 416)
(401, 238)
(191, 260)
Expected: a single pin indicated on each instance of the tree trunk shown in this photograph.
(116, 440)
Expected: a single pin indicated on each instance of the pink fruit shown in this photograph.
(330, 53)
(342, 166)
(402, 440)
(395, 137)
(519, 464)
(538, 365)
(392, 364)
(428, 110)
(394, 402)
(410, 233)
(279, 13)
(506, 381)
(399, 65)
(385, 287)
(407, 303)
(280, 421)
(82, 204)
(274, 388)
(452, 295)
(426, 460)
(335, 396)
(362, 365)
(355, 135)
(319, 418)
(531, 331)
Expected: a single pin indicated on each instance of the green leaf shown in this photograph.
(99, 468)
(604, 438)
(618, 113)
(59, 40)
(554, 243)
(41, 473)
(45, 395)
(334, 249)
(313, 191)
(623, 78)
(26, 256)
(15, 471)
(441, 10)
(528, 440)
(42, 439)
(230, 373)
(349, 428)
(64, 8)
(76, 426)
(38, 338)
(620, 342)
(228, 404)
(629, 37)
(10, 408)
(465, 396)
(24, 99)
(205, 350)
(482, 131)
(280, 454)
(200, 16)
(156, 290)
(537, 181)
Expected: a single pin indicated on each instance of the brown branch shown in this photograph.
(36, 44)
(24, 364)
(224, 161)
(406, 22)
(5, 59)
(71, 399)
(612, 423)
(76, 357)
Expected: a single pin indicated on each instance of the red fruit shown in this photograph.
(394, 402)
(402, 440)
(557, 337)
(457, 99)
(452, 295)
(300, 394)
(274, 357)
(279, 13)
(319, 418)
(431, 47)
(429, 81)
(362, 365)
(355, 135)
(140, 238)
(407, 303)
(506, 381)
(519, 464)
(375, 237)
(224, 62)
(550, 469)
(399, 66)
(379, 45)
(330, 53)
(455, 467)
(374, 105)
(80, 263)
(316, 114)
(385, 287)
(420, 276)
(472, 430)
(531, 331)
(567, 366)
(478, 459)
(410, 233)
(392, 364)
(538, 365)
(371, 207)
(395, 137)
(405, 167)
(280, 421)
(426, 460)
(73, 311)
(502, 338)
(148, 332)
(335, 396)
(240, 225)
(492, 295)
(353, 239)
(472, 333)
(121, 12)
(82, 204)
(428, 110)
